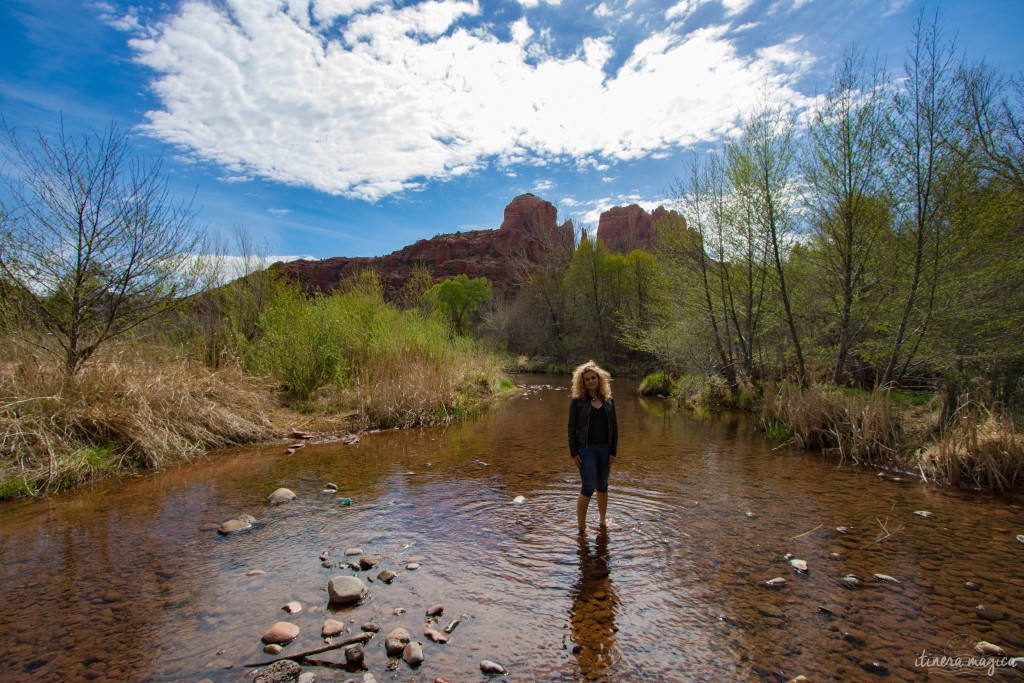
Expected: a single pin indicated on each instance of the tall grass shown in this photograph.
(978, 448)
(353, 349)
(861, 426)
(121, 412)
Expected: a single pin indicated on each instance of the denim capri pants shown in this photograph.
(594, 467)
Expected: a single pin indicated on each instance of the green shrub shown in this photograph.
(656, 384)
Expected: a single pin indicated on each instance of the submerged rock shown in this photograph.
(412, 566)
(885, 578)
(988, 649)
(413, 654)
(850, 581)
(519, 499)
(436, 636)
(345, 590)
(922, 513)
(332, 628)
(777, 582)
(280, 496)
(799, 566)
(293, 607)
(233, 525)
(396, 641)
(282, 633)
(366, 562)
(387, 576)
(354, 654)
(435, 611)
(489, 667)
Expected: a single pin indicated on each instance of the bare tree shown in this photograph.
(92, 239)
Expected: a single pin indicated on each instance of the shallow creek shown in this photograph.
(126, 580)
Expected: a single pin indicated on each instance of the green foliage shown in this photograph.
(458, 298)
(394, 367)
(705, 391)
(301, 343)
(656, 384)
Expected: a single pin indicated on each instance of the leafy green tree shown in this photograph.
(769, 142)
(458, 298)
(93, 241)
(924, 124)
(846, 195)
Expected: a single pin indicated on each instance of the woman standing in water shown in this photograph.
(593, 437)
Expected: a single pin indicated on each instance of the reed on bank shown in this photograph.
(960, 439)
(348, 361)
(121, 412)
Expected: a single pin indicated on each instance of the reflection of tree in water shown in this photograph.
(593, 609)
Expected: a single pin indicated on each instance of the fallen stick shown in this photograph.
(361, 638)
(805, 533)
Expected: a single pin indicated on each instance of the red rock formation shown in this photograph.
(528, 229)
(625, 228)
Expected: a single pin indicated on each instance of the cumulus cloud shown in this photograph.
(364, 99)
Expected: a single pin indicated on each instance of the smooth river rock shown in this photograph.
(413, 654)
(233, 525)
(345, 590)
(332, 628)
(435, 635)
(489, 667)
(281, 633)
(280, 496)
(396, 641)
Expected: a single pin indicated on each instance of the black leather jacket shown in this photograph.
(579, 425)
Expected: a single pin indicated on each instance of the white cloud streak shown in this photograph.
(362, 99)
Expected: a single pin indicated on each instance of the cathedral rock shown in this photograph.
(501, 256)
(625, 228)
(529, 228)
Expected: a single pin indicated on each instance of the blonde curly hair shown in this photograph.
(604, 381)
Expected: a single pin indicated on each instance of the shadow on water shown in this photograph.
(130, 581)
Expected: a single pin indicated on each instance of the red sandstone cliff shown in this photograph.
(529, 226)
(625, 228)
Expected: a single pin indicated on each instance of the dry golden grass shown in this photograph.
(862, 427)
(418, 388)
(978, 449)
(120, 413)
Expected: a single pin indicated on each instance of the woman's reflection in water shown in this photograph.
(593, 609)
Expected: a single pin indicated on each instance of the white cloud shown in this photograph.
(543, 185)
(603, 10)
(406, 95)
(734, 7)
(530, 4)
(683, 9)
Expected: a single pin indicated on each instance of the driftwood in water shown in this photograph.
(361, 638)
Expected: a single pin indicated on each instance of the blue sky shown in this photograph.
(356, 127)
